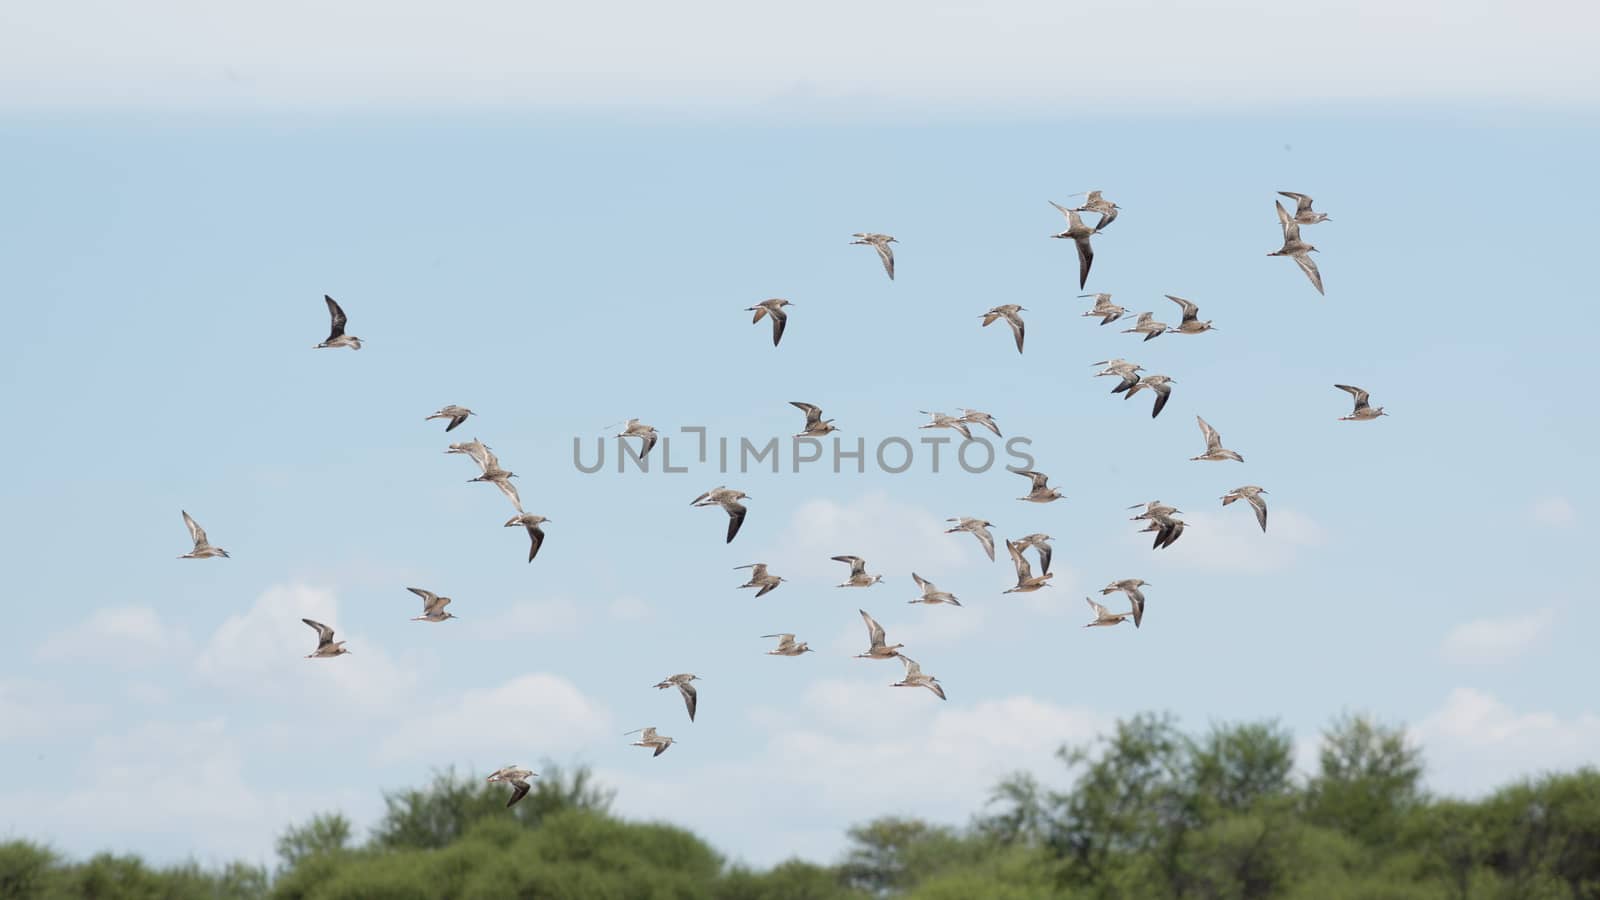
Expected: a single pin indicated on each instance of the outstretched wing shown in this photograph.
(690, 698)
(196, 533)
(324, 633)
(338, 317)
(874, 630)
(1309, 266)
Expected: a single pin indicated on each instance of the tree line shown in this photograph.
(1145, 811)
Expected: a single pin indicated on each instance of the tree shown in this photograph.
(323, 834)
(1369, 779)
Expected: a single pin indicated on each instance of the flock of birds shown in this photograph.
(1159, 518)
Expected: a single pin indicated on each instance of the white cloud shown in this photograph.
(1475, 741)
(526, 618)
(894, 538)
(32, 709)
(1497, 640)
(1557, 512)
(532, 714)
(261, 651)
(1228, 542)
(896, 54)
(124, 636)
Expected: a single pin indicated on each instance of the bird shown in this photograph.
(1155, 509)
(787, 646)
(1079, 234)
(500, 478)
(816, 426)
(760, 578)
(646, 433)
(649, 738)
(1190, 324)
(326, 645)
(879, 242)
(877, 648)
(1147, 325)
(456, 415)
(979, 529)
(336, 335)
(1126, 371)
(981, 418)
(535, 532)
(1097, 204)
(517, 778)
(915, 678)
(1361, 413)
(681, 682)
(1130, 586)
(1027, 582)
(1167, 531)
(1041, 492)
(1008, 312)
(202, 547)
(931, 594)
(1303, 213)
(1215, 452)
(1041, 545)
(1160, 385)
(940, 420)
(729, 501)
(858, 572)
(1103, 616)
(1296, 248)
(432, 606)
(475, 449)
(1252, 495)
(1103, 307)
(773, 308)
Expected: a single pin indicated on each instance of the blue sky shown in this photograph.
(558, 270)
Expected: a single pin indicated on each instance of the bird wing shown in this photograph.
(1362, 397)
(1302, 202)
(454, 422)
(1137, 600)
(1045, 553)
(1213, 440)
(1018, 329)
(913, 669)
(858, 566)
(1085, 257)
(874, 630)
(780, 319)
(1024, 571)
(324, 633)
(1190, 310)
(536, 538)
(650, 438)
(887, 255)
(196, 533)
(1100, 612)
(922, 583)
(1260, 507)
(936, 687)
(813, 412)
(1284, 219)
(987, 540)
(338, 317)
(767, 589)
(1163, 391)
(510, 490)
(521, 790)
(690, 698)
(736, 512)
(1064, 210)
(429, 598)
(1309, 266)
(661, 747)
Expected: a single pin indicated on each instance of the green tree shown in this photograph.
(1369, 779)
(323, 834)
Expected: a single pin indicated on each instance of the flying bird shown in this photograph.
(1009, 313)
(915, 678)
(1041, 492)
(1147, 325)
(645, 433)
(202, 547)
(1167, 531)
(1252, 495)
(432, 606)
(1215, 452)
(1191, 323)
(1027, 582)
(978, 528)
(787, 646)
(729, 501)
(1127, 372)
(681, 682)
(879, 242)
(1130, 586)
(773, 308)
(940, 420)
(533, 524)
(649, 738)
(475, 449)
(326, 645)
(858, 572)
(1041, 545)
(1103, 307)
(1299, 250)
(517, 778)
(877, 648)
(1363, 411)
(760, 578)
(1079, 234)
(492, 473)
(816, 426)
(1103, 616)
(1303, 213)
(977, 417)
(1160, 385)
(1097, 204)
(456, 415)
(931, 594)
(336, 335)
